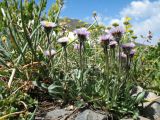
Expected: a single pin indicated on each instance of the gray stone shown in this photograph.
(57, 114)
(91, 115)
(143, 118)
(151, 109)
(136, 90)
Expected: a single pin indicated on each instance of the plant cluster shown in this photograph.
(97, 67)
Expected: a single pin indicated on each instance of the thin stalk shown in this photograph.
(65, 58)
(49, 44)
(80, 53)
(119, 61)
(58, 13)
(40, 10)
(107, 60)
(107, 70)
(52, 68)
(113, 55)
(81, 63)
(84, 55)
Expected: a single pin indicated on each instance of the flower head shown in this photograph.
(105, 39)
(3, 39)
(112, 44)
(48, 26)
(117, 32)
(52, 52)
(63, 41)
(122, 56)
(82, 33)
(150, 36)
(128, 47)
(132, 53)
(94, 14)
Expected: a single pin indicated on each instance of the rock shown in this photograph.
(136, 90)
(57, 114)
(142, 118)
(151, 109)
(91, 115)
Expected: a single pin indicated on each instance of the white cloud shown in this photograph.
(141, 9)
(145, 16)
(102, 19)
(116, 20)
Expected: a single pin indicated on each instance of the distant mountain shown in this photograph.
(72, 24)
(139, 44)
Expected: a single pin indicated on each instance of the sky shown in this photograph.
(145, 14)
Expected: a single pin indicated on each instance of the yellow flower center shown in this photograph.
(3, 39)
(47, 24)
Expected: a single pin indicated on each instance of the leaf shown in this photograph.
(135, 115)
(53, 89)
(2, 10)
(33, 114)
(79, 104)
(45, 86)
(79, 74)
(3, 63)
(140, 97)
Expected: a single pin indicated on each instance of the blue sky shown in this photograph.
(81, 9)
(144, 13)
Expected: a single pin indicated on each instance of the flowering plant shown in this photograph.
(83, 71)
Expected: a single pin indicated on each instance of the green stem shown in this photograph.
(65, 57)
(107, 61)
(106, 71)
(81, 63)
(58, 13)
(84, 55)
(80, 53)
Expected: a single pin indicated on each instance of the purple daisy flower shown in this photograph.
(117, 32)
(82, 33)
(150, 36)
(105, 39)
(123, 55)
(132, 53)
(128, 47)
(48, 26)
(48, 53)
(63, 41)
(112, 44)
